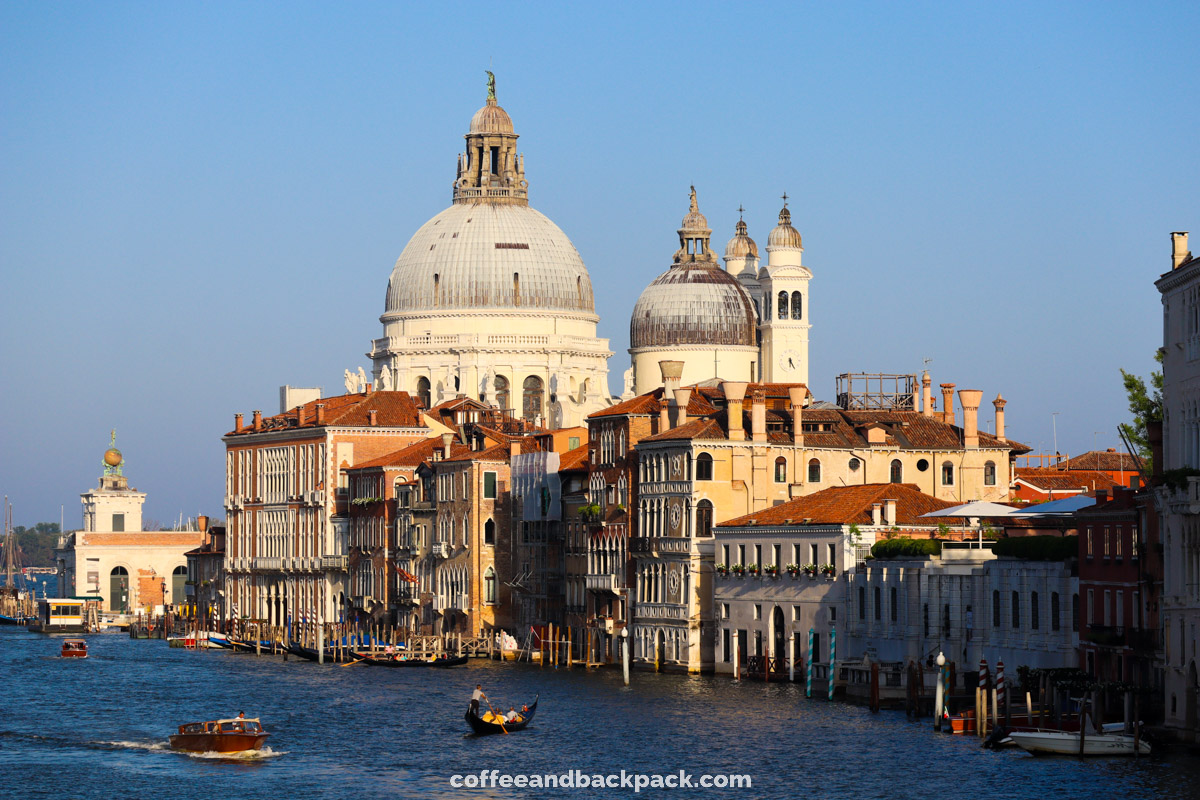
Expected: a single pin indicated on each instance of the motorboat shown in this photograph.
(1067, 743)
(220, 736)
(74, 648)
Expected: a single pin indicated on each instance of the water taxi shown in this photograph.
(74, 648)
(220, 736)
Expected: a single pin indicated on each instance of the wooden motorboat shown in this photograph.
(1067, 743)
(220, 736)
(74, 648)
(483, 727)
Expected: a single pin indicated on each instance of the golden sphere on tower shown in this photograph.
(112, 457)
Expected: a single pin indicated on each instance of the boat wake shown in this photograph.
(153, 746)
(163, 747)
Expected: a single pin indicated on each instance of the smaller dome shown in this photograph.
(694, 221)
(741, 245)
(783, 234)
(491, 119)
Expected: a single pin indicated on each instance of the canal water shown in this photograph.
(97, 728)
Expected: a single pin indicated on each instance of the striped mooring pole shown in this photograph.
(808, 679)
(1001, 695)
(981, 699)
(832, 659)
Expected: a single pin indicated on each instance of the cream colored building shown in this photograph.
(490, 298)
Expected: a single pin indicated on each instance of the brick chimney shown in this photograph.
(258, 420)
(796, 401)
(1000, 403)
(970, 402)
(758, 416)
(948, 403)
(672, 373)
(877, 514)
(300, 415)
(682, 398)
(320, 413)
(447, 441)
(889, 512)
(202, 523)
(372, 418)
(926, 395)
(370, 387)
(237, 423)
(735, 393)
(1179, 249)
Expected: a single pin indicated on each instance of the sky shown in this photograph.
(200, 203)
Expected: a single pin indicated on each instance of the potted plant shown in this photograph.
(738, 569)
(590, 513)
(752, 569)
(828, 570)
(793, 569)
(810, 570)
(722, 569)
(772, 570)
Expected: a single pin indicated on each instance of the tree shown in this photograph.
(1146, 406)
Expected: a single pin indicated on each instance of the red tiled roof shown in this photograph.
(1062, 480)
(846, 505)
(1101, 461)
(413, 456)
(650, 404)
(576, 459)
(393, 410)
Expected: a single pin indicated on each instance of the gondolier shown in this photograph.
(476, 696)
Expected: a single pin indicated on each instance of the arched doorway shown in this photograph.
(779, 652)
(178, 582)
(534, 392)
(660, 649)
(118, 590)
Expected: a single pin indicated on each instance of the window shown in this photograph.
(489, 532)
(532, 406)
(572, 442)
(814, 471)
(704, 467)
(862, 602)
(724, 610)
(1088, 541)
(946, 620)
(783, 305)
(1075, 612)
(1117, 545)
(1107, 546)
(758, 611)
(1091, 606)
(1016, 610)
(489, 586)
(704, 518)
(423, 391)
(1034, 622)
(947, 474)
(995, 609)
(118, 523)
(989, 473)
(897, 471)
(781, 470)
(795, 613)
(489, 486)
(878, 604)
(1055, 614)
(832, 555)
(892, 605)
(178, 581)
(922, 465)
(925, 617)
(776, 555)
(797, 305)
(812, 554)
(725, 653)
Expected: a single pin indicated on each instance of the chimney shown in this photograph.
(970, 402)
(237, 423)
(796, 401)
(370, 387)
(877, 514)
(1179, 249)
(300, 415)
(372, 418)
(258, 420)
(320, 413)
(926, 395)
(447, 440)
(1000, 403)
(514, 448)
(202, 523)
(682, 398)
(1154, 433)
(948, 403)
(889, 512)
(1101, 496)
(735, 393)
(758, 416)
(672, 372)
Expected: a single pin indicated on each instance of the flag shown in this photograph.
(405, 574)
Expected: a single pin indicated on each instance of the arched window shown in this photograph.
(423, 391)
(878, 604)
(814, 470)
(781, 470)
(118, 589)
(783, 305)
(897, 474)
(797, 305)
(489, 532)
(501, 385)
(756, 314)
(995, 608)
(704, 467)
(178, 582)
(947, 474)
(704, 518)
(989, 474)
(534, 391)
(489, 585)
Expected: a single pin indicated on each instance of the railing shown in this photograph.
(334, 562)
(604, 582)
(660, 544)
(659, 610)
(440, 549)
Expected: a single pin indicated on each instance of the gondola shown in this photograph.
(377, 659)
(248, 645)
(312, 654)
(482, 728)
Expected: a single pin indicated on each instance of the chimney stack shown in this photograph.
(672, 374)
(514, 448)
(682, 398)
(237, 423)
(202, 523)
(735, 393)
(447, 441)
(1102, 496)
(1000, 403)
(796, 401)
(889, 512)
(370, 387)
(1179, 249)
(948, 403)
(258, 420)
(1154, 433)
(877, 514)
(320, 413)
(926, 395)
(970, 402)
(300, 415)
(758, 416)
(372, 418)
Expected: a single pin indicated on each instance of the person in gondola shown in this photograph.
(511, 716)
(476, 696)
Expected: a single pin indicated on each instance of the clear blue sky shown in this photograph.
(199, 204)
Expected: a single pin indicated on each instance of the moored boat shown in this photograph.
(220, 736)
(485, 725)
(74, 648)
(1067, 743)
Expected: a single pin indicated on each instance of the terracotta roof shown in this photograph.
(1063, 480)
(393, 410)
(650, 404)
(846, 505)
(413, 455)
(576, 459)
(1102, 461)
(141, 539)
(498, 453)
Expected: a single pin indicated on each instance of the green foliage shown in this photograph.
(906, 548)
(943, 530)
(1145, 405)
(36, 545)
(1038, 548)
(1177, 478)
(590, 513)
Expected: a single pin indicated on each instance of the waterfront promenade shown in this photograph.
(97, 728)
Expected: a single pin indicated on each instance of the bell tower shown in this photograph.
(784, 321)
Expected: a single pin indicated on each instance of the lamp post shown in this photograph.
(625, 653)
(938, 696)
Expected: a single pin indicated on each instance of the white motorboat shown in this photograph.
(1067, 743)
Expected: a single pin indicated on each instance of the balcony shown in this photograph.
(656, 545)
(605, 582)
(659, 611)
(440, 549)
(334, 563)
(1106, 635)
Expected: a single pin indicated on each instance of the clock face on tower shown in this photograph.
(789, 361)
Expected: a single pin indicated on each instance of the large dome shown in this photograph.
(693, 303)
(475, 256)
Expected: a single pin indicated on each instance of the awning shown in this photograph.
(975, 508)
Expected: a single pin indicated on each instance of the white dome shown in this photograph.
(466, 257)
(693, 303)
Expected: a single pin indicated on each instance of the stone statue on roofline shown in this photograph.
(627, 393)
(351, 382)
(362, 379)
(385, 379)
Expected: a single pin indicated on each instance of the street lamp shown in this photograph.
(937, 702)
